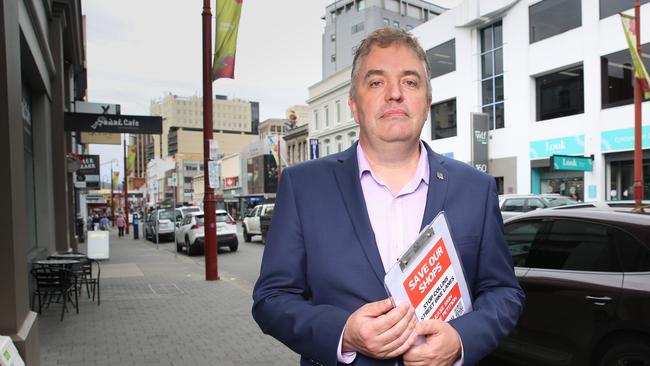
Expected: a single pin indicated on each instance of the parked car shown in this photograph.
(251, 222)
(586, 275)
(187, 232)
(265, 223)
(182, 211)
(515, 204)
(191, 234)
(160, 223)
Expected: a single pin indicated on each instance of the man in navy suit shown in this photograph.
(341, 221)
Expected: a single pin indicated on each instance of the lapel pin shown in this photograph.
(440, 176)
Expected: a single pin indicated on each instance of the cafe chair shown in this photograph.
(55, 281)
(90, 279)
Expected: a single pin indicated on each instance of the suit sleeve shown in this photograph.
(497, 296)
(282, 306)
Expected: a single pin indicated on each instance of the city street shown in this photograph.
(242, 266)
(157, 309)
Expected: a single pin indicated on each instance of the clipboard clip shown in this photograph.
(413, 250)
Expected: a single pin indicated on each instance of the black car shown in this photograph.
(586, 274)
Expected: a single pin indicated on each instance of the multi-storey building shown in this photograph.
(43, 72)
(235, 124)
(554, 77)
(349, 21)
(273, 127)
(331, 120)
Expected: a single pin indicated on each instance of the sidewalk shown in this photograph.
(157, 309)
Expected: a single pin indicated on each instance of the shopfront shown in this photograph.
(559, 165)
(618, 147)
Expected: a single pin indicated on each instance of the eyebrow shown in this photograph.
(373, 72)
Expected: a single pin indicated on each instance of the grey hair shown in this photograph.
(385, 37)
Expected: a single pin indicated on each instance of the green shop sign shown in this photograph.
(576, 163)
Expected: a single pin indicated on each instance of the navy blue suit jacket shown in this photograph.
(321, 261)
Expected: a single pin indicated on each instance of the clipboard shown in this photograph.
(430, 276)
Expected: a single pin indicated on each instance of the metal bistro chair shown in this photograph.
(51, 281)
(84, 272)
(88, 278)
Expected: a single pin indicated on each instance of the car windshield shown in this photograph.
(560, 201)
(223, 217)
(166, 215)
(191, 209)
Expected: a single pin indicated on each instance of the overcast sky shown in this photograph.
(139, 50)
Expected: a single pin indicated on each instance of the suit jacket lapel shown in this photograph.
(437, 192)
(347, 176)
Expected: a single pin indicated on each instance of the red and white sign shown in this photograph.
(430, 277)
(232, 182)
(432, 286)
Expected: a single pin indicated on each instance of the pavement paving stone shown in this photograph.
(157, 309)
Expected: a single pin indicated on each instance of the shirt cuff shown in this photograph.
(461, 360)
(346, 357)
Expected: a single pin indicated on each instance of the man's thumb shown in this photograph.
(379, 307)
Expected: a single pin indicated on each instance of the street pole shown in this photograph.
(211, 271)
(638, 157)
(112, 197)
(126, 190)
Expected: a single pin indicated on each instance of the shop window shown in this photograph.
(617, 76)
(610, 7)
(560, 94)
(443, 119)
(442, 58)
(552, 17)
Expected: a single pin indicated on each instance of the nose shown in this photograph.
(394, 91)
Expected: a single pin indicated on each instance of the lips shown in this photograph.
(394, 113)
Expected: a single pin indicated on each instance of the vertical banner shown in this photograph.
(274, 150)
(116, 178)
(630, 36)
(130, 160)
(225, 43)
(313, 149)
(479, 138)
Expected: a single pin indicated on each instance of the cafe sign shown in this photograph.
(574, 163)
(111, 123)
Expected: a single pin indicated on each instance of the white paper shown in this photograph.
(433, 282)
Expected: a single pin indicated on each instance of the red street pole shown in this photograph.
(126, 192)
(112, 197)
(638, 157)
(209, 204)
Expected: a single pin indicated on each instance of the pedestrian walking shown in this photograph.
(136, 221)
(120, 223)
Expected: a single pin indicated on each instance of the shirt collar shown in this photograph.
(421, 172)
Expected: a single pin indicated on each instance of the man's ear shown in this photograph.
(353, 108)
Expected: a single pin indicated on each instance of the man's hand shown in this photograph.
(441, 348)
(380, 331)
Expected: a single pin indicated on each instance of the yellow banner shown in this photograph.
(641, 74)
(225, 43)
(130, 160)
(116, 178)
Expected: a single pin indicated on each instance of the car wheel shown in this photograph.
(187, 245)
(234, 246)
(629, 352)
(247, 237)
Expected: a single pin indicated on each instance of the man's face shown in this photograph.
(391, 102)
